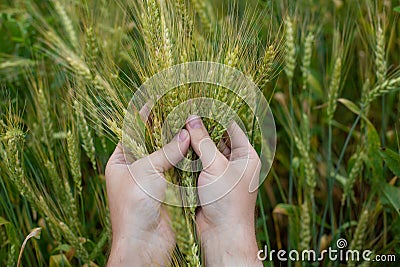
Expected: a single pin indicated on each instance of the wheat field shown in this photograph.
(328, 69)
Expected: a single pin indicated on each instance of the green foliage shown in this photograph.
(69, 69)
(390, 195)
(392, 159)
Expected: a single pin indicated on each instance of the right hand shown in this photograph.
(226, 217)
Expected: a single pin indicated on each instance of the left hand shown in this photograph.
(141, 229)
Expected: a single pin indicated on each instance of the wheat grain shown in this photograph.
(79, 67)
(266, 67)
(12, 256)
(182, 221)
(305, 232)
(187, 23)
(62, 190)
(355, 171)
(15, 138)
(87, 139)
(310, 174)
(359, 234)
(202, 12)
(74, 241)
(153, 31)
(290, 49)
(380, 61)
(307, 59)
(92, 49)
(385, 87)
(58, 188)
(53, 229)
(181, 226)
(167, 51)
(44, 109)
(67, 23)
(74, 161)
(305, 131)
(334, 89)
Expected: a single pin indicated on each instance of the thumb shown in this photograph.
(148, 171)
(117, 157)
(202, 144)
(170, 154)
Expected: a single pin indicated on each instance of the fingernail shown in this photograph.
(194, 122)
(182, 135)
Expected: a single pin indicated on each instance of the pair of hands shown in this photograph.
(142, 234)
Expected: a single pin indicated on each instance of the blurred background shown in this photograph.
(329, 68)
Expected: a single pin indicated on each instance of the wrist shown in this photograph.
(225, 246)
(142, 249)
(124, 252)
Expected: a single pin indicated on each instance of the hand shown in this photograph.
(140, 225)
(226, 225)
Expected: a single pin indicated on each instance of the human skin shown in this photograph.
(141, 231)
(226, 226)
(142, 235)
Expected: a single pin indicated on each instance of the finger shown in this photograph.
(145, 111)
(117, 157)
(223, 147)
(226, 139)
(171, 153)
(240, 145)
(202, 143)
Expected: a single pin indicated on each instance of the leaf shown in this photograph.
(3, 221)
(339, 178)
(390, 195)
(392, 160)
(61, 248)
(373, 161)
(285, 209)
(11, 233)
(59, 260)
(354, 108)
(350, 105)
(396, 9)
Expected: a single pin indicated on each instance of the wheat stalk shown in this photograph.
(182, 227)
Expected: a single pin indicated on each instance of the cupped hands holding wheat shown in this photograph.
(141, 229)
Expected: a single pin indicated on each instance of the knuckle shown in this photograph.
(253, 153)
